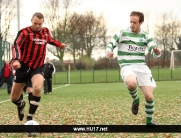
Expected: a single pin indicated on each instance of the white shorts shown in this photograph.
(141, 72)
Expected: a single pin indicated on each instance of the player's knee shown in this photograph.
(37, 89)
(132, 85)
(29, 89)
(14, 98)
(149, 97)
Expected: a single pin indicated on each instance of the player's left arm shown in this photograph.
(55, 42)
(153, 49)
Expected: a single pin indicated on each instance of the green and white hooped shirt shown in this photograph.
(131, 46)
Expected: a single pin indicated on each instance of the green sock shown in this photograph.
(137, 100)
(134, 95)
(149, 109)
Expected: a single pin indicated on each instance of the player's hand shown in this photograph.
(110, 55)
(156, 51)
(16, 65)
(63, 45)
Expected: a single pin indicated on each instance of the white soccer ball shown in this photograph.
(32, 128)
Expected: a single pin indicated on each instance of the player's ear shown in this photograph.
(141, 23)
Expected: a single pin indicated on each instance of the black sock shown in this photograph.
(29, 96)
(19, 101)
(33, 106)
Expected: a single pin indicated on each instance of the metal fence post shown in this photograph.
(93, 74)
(158, 70)
(1, 54)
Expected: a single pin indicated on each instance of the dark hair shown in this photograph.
(39, 15)
(139, 14)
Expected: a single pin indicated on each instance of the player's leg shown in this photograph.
(17, 98)
(29, 90)
(37, 83)
(21, 76)
(1, 81)
(9, 85)
(147, 84)
(24, 89)
(130, 81)
(149, 105)
(30, 93)
(49, 85)
(45, 84)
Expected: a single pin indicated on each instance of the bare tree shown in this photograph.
(95, 32)
(166, 31)
(57, 14)
(74, 31)
(7, 14)
(85, 32)
(178, 43)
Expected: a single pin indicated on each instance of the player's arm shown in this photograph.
(153, 49)
(16, 53)
(53, 69)
(17, 45)
(12, 68)
(111, 45)
(55, 42)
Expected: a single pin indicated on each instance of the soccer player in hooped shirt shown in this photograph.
(29, 50)
(132, 43)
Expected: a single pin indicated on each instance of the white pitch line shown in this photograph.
(43, 91)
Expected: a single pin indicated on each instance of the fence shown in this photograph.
(100, 69)
(5, 52)
(112, 74)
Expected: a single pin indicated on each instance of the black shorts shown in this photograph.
(24, 74)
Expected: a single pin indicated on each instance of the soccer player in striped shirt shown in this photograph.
(132, 43)
(29, 50)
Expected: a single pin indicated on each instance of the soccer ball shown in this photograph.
(32, 128)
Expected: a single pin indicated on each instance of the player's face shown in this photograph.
(7, 62)
(47, 60)
(135, 24)
(36, 24)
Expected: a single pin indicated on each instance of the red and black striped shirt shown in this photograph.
(30, 47)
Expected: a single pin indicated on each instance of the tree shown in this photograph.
(74, 31)
(7, 14)
(178, 43)
(57, 14)
(166, 31)
(85, 33)
(94, 32)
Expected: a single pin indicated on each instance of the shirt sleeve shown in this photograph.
(113, 43)
(151, 44)
(53, 41)
(16, 53)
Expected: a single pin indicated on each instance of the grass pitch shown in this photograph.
(94, 104)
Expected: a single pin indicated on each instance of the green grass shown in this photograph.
(111, 75)
(98, 103)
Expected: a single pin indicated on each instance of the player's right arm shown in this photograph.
(16, 53)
